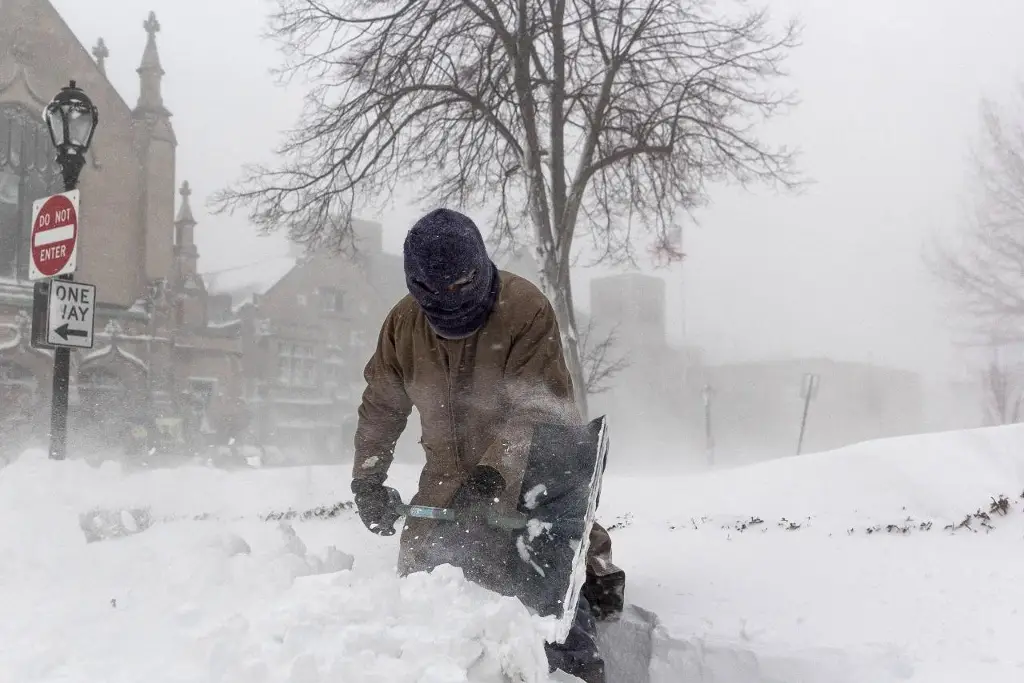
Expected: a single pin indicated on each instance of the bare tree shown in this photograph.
(588, 119)
(600, 362)
(985, 268)
(1002, 385)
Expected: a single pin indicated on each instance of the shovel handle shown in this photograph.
(426, 512)
(495, 520)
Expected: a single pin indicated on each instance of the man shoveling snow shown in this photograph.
(478, 352)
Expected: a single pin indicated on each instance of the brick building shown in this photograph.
(157, 365)
(308, 325)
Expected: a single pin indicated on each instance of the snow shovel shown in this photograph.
(551, 529)
(561, 488)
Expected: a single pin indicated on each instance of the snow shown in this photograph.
(844, 597)
(532, 497)
(847, 567)
(217, 600)
(105, 351)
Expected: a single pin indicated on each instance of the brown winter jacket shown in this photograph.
(478, 398)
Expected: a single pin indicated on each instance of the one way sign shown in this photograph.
(70, 318)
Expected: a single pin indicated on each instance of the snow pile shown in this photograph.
(183, 491)
(882, 563)
(937, 477)
(895, 560)
(242, 600)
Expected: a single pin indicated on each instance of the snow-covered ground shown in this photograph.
(889, 561)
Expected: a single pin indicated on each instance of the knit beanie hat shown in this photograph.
(449, 273)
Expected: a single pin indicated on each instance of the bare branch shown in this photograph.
(985, 269)
(600, 364)
(569, 120)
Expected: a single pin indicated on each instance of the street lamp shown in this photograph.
(71, 118)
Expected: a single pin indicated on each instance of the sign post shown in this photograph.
(54, 256)
(71, 118)
(707, 393)
(808, 390)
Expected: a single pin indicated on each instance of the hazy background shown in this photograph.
(889, 104)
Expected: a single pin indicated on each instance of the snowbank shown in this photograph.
(236, 600)
(895, 560)
(889, 561)
(934, 476)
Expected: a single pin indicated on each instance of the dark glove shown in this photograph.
(374, 502)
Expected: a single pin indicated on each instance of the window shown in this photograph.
(334, 368)
(296, 364)
(28, 172)
(302, 299)
(330, 300)
(202, 390)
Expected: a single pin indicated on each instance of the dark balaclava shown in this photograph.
(449, 273)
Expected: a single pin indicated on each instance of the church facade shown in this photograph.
(159, 371)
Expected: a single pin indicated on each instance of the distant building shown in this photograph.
(633, 303)
(644, 401)
(309, 324)
(657, 403)
(158, 366)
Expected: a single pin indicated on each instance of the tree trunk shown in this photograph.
(559, 290)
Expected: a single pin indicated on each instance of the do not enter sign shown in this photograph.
(54, 242)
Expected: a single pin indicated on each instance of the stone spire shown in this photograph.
(155, 145)
(185, 223)
(187, 284)
(185, 210)
(150, 72)
(100, 52)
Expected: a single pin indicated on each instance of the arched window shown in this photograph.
(28, 171)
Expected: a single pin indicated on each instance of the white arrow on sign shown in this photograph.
(70, 314)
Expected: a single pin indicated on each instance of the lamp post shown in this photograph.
(71, 119)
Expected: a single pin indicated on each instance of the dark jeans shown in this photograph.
(578, 655)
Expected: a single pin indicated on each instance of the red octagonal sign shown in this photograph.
(54, 236)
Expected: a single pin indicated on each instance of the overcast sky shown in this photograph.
(889, 92)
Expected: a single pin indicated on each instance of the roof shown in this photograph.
(253, 278)
(261, 276)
